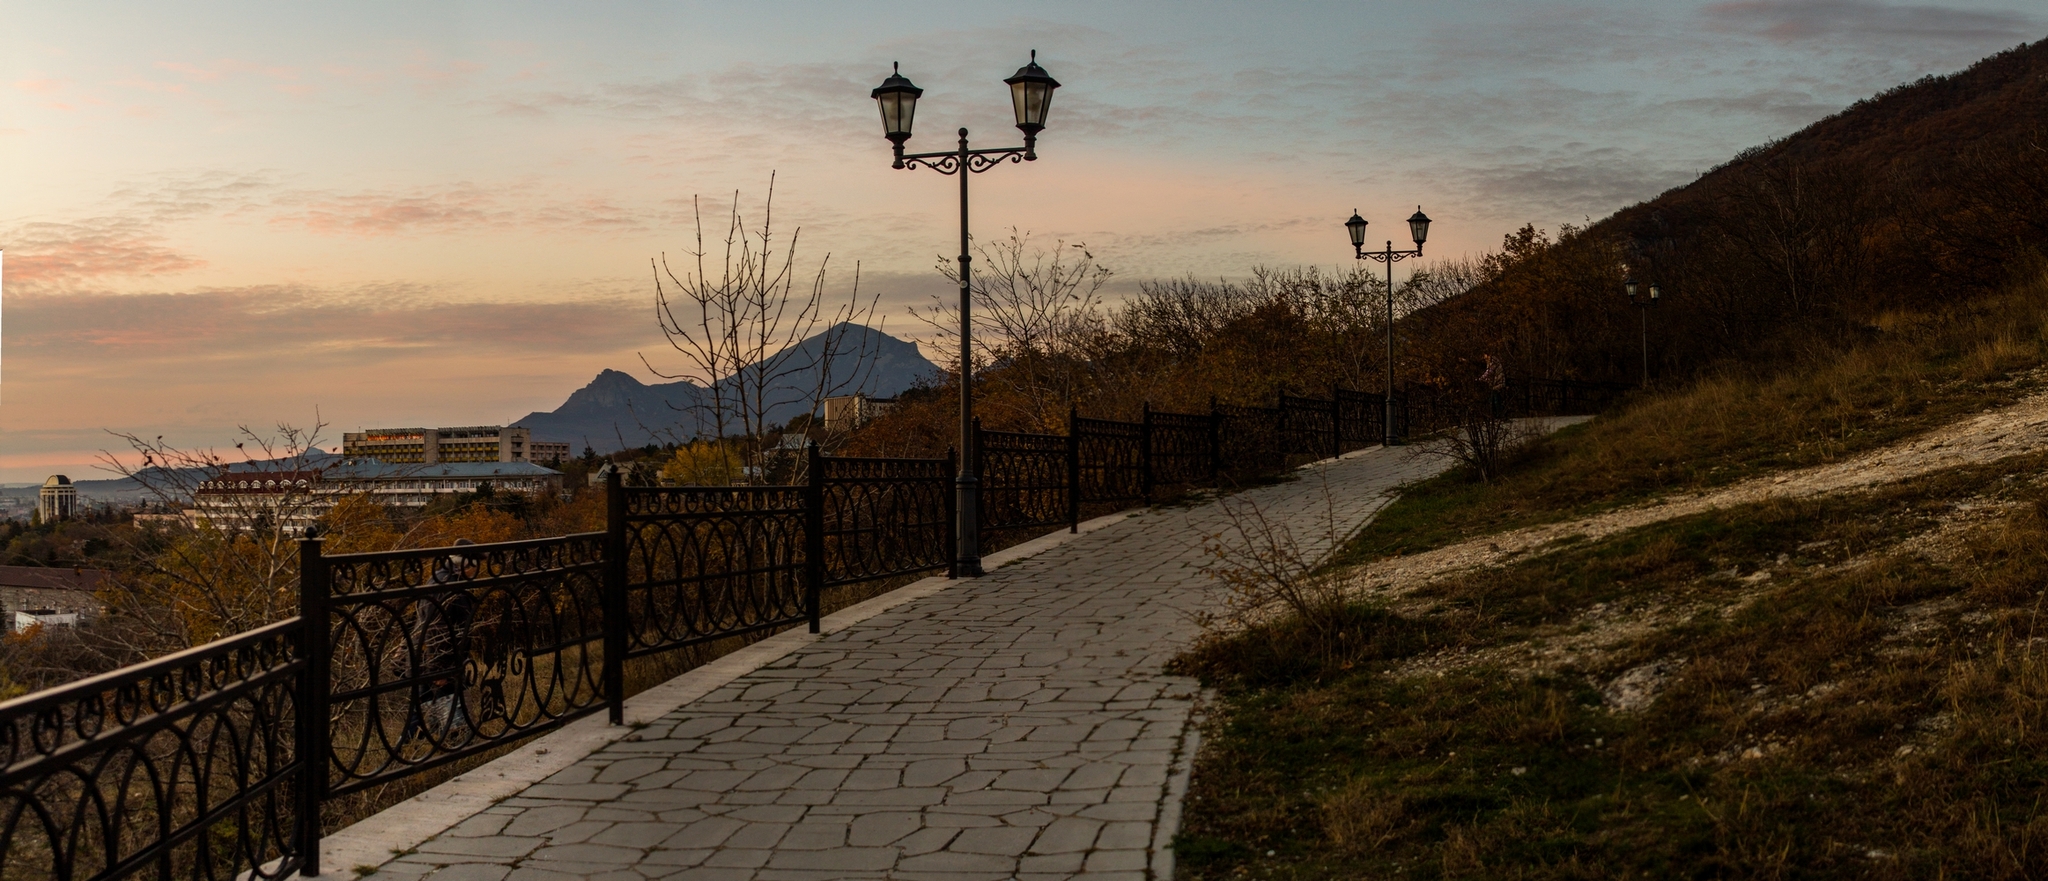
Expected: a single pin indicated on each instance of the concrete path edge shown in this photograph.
(373, 841)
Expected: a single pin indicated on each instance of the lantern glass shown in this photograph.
(1654, 292)
(1630, 286)
(1418, 226)
(1356, 226)
(1031, 95)
(1032, 102)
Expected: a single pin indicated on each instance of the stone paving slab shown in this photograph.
(1014, 726)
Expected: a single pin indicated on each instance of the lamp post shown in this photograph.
(1643, 303)
(1418, 229)
(1031, 96)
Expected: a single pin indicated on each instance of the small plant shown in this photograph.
(1269, 566)
(1483, 440)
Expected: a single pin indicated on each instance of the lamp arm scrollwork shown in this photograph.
(977, 160)
(1389, 256)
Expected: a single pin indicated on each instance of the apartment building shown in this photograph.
(296, 499)
(436, 446)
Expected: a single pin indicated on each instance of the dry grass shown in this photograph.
(1825, 687)
(1906, 374)
(1845, 687)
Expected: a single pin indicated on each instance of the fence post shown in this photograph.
(311, 728)
(614, 605)
(814, 531)
(1145, 480)
(1073, 469)
(1215, 442)
(952, 515)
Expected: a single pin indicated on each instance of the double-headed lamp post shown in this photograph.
(1643, 303)
(1031, 95)
(1418, 228)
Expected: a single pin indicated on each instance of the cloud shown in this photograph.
(441, 209)
(1570, 182)
(41, 85)
(129, 240)
(53, 256)
(119, 334)
(1791, 21)
(454, 209)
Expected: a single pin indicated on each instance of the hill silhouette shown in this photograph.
(1924, 195)
(615, 410)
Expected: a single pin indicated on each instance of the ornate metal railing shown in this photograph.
(1111, 460)
(705, 563)
(1361, 417)
(883, 518)
(212, 763)
(1308, 427)
(1024, 479)
(1181, 448)
(1567, 396)
(1252, 442)
(433, 655)
(182, 767)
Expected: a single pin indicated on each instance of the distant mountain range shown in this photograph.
(616, 411)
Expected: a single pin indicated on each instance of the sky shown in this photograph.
(378, 214)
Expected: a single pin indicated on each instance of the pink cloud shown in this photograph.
(53, 255)
(41, 85)
(374, 214)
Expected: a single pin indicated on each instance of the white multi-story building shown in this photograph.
(296, 499)
(435, 446)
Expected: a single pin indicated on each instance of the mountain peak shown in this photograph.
(616, 409)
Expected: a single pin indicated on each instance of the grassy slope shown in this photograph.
(1914, 374)
(1847, 684)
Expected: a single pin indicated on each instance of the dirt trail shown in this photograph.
(1993, 435)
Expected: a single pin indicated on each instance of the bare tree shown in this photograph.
(1038, 312)
(1437, 283)
(1026, 299)
(738, 321)
(231, 563)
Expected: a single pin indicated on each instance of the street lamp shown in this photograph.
(1644, 303)
(1418, 229)
(1031, 96)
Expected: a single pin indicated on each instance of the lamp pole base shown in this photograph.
(967, 522)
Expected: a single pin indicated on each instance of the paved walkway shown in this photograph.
(1018, 725)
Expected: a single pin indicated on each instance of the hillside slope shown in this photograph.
(1926, 193)
(1766, 626)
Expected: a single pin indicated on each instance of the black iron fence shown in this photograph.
(214, 762)
(188, 766)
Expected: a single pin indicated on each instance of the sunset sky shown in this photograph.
(217, 214)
